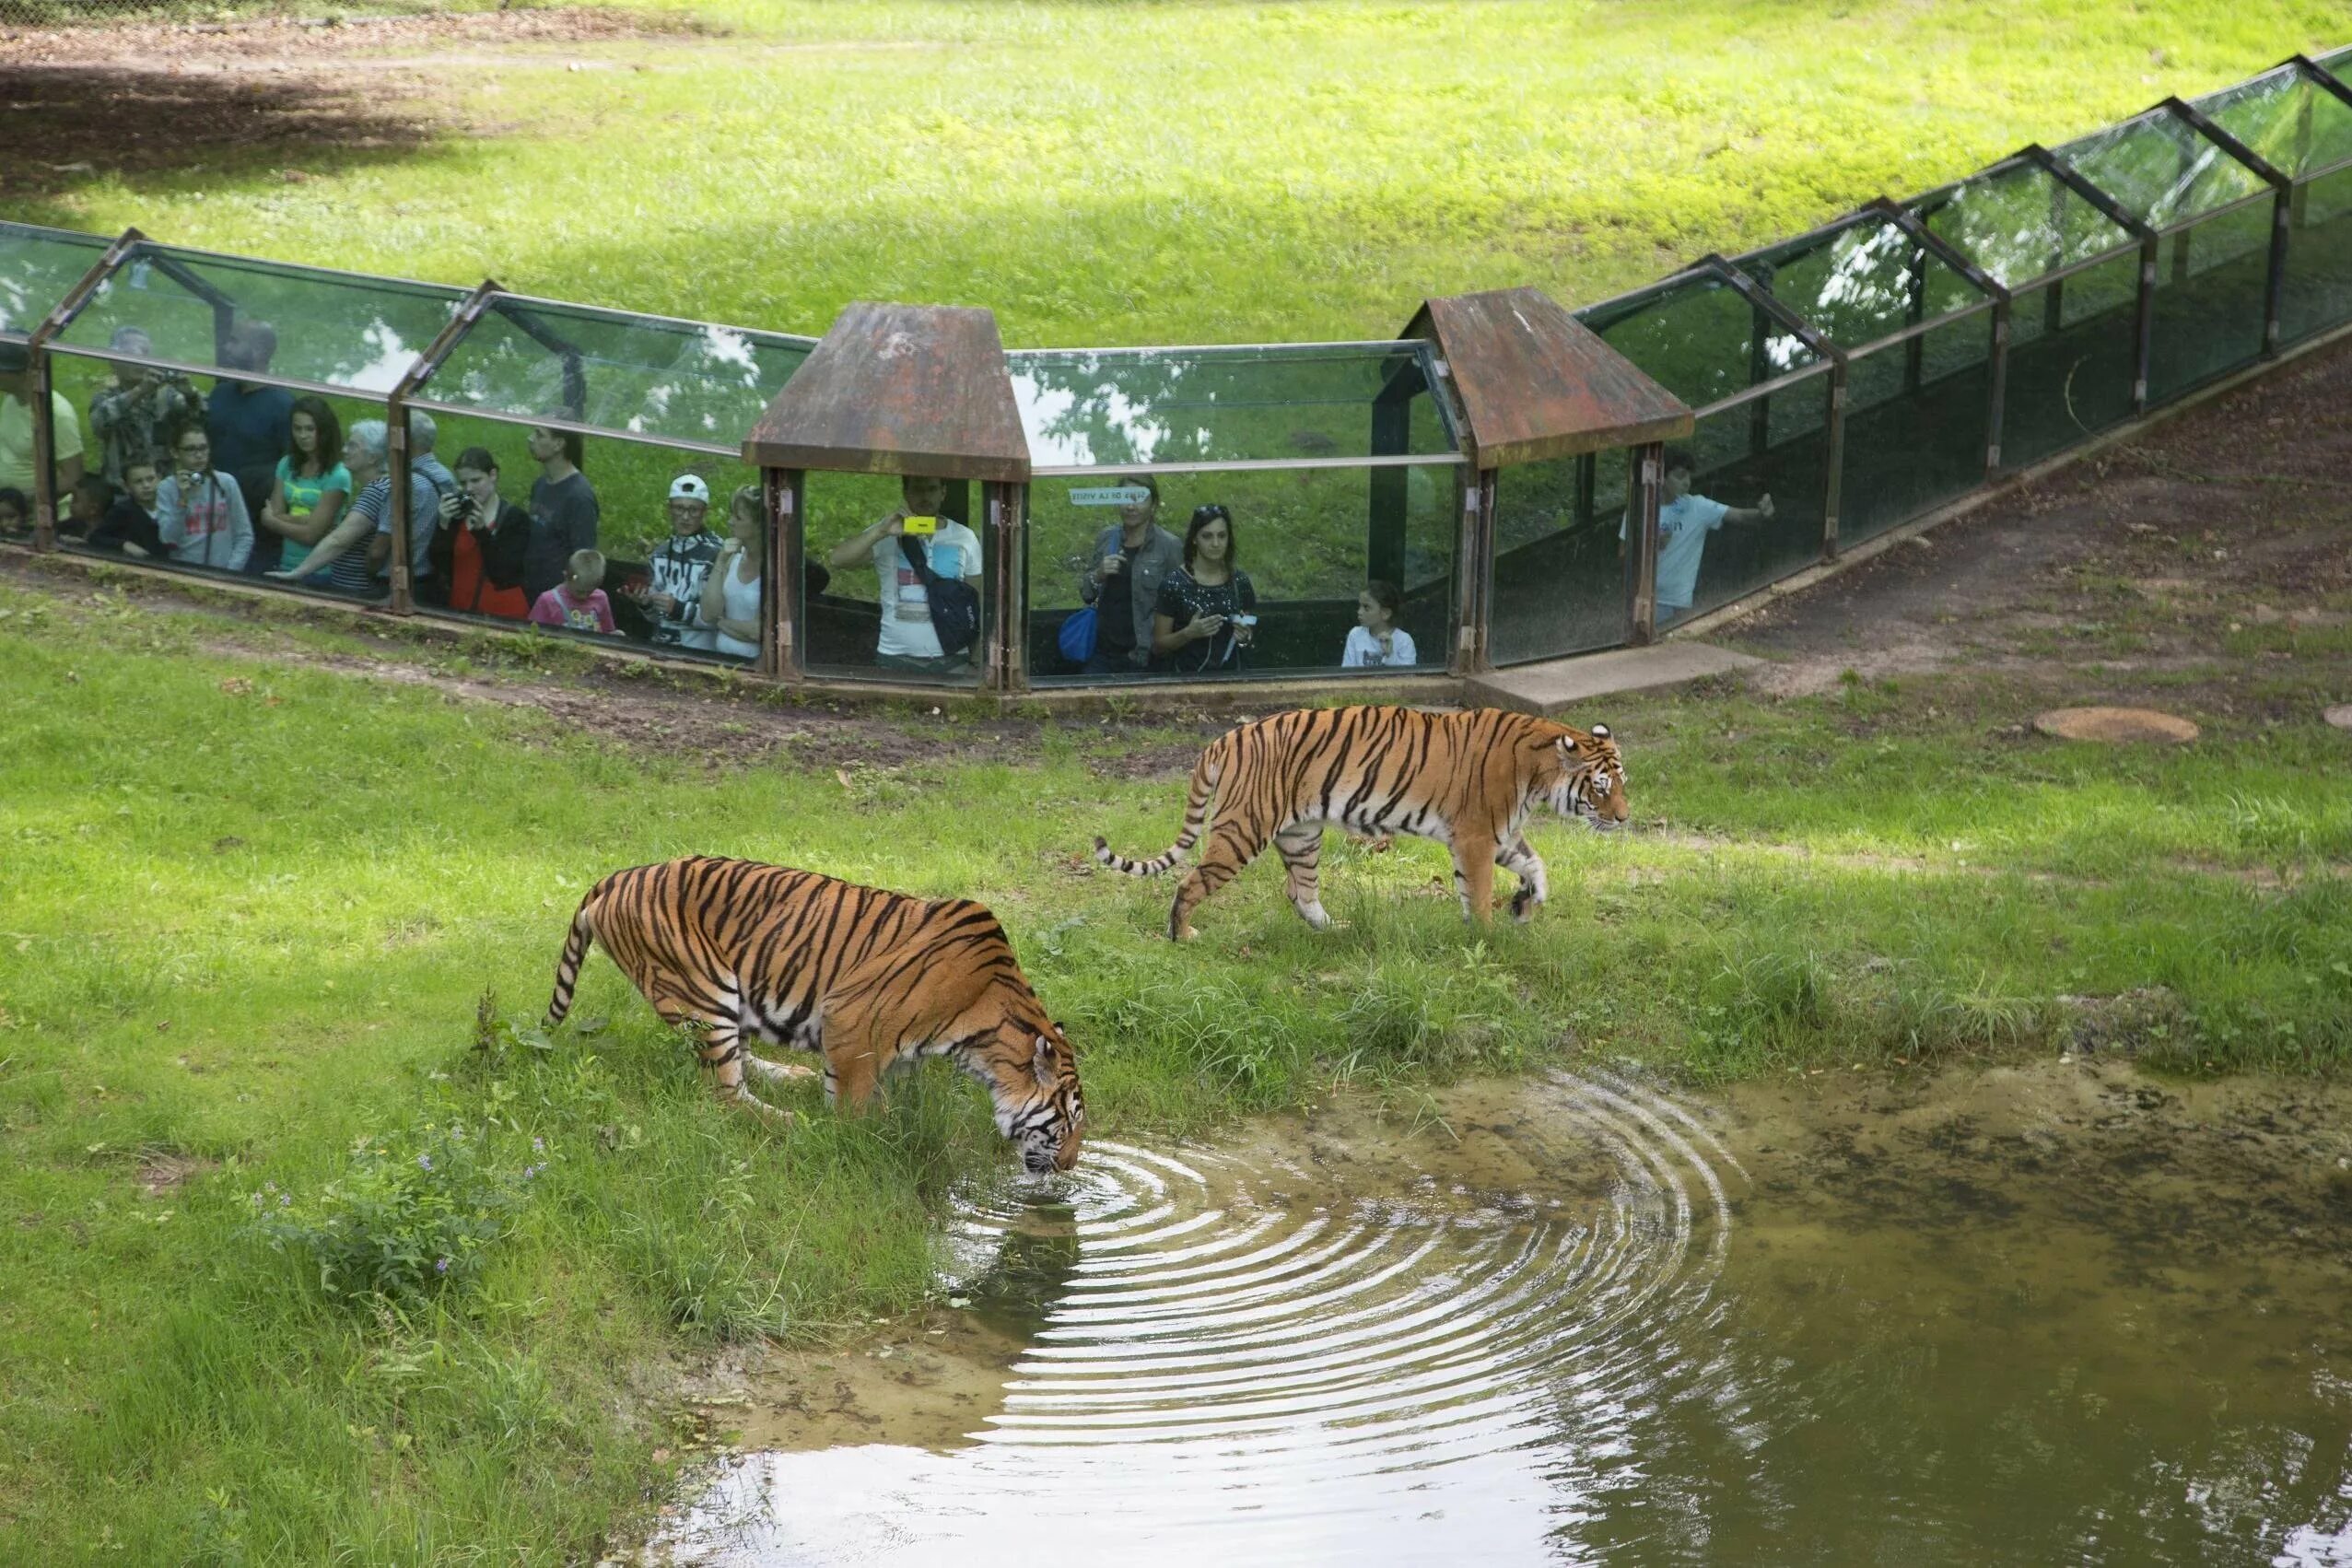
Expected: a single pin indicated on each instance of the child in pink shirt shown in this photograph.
(577, 603)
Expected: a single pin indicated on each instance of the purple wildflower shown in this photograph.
(538, 1145)
(441, 1265)
(285, 1199)
(425, 1161)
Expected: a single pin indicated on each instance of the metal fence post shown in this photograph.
(784, 573)
(45, 438)
(1008, 652)
(1648, 473)
(1833, 485)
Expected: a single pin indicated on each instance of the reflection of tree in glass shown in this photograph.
(1132, 407)
(1697, 340)
(2160, 169)
(680, 380)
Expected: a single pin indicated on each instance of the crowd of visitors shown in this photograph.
(252, 478)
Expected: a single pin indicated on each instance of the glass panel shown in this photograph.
(1740, 455)
(1306, 547)
(1860, 283)
(2020, 224)
(1915, 427)
(637, 374)
(2318, 258)
(1699, 339)
(2212, 289)
(364, 333)
(2288, 121)
(1559, 584)
(2160, 170)
(865, 610)
(2074, 349)
(1126, 407)
(37, 268)
(225, 507)
(528, 500)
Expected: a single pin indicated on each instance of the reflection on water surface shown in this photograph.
(2057, 1314)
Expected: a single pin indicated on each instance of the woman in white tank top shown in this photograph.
(731, 594)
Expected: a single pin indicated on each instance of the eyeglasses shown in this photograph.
(1212, 513)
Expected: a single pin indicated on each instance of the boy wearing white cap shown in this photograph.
(673, 598)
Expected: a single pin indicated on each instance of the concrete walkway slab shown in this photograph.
(1557, 683)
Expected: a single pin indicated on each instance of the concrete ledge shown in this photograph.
(1545, 689)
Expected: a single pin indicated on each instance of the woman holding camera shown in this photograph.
(1207, 610)
(480, 546)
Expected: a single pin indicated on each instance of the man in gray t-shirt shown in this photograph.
(564, 511)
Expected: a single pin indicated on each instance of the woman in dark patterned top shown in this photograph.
(1206, 614)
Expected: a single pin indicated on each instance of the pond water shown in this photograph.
(2059, 1314)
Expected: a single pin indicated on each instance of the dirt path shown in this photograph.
(2124, 575)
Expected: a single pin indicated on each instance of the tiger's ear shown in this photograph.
(1042, 1064)
(1600, 731)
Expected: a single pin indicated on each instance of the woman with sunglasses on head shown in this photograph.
(1207, 611)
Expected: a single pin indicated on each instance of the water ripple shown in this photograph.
(1219, 1339)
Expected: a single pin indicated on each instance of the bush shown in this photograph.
(408, 1218)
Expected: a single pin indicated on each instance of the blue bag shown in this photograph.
(1078, 636)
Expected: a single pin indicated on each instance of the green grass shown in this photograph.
(1124, 173)
(249, 924)
(253, 905)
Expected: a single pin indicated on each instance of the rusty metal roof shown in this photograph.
(900, 389)
(1534, 383)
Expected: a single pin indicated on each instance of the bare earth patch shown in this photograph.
(80, 103)
(2133, 577)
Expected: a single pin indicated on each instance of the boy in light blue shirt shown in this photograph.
(1684, 523)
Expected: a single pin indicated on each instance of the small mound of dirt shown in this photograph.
(2115, 726)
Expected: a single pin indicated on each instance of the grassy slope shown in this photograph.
(1203, 172)
(257, 945)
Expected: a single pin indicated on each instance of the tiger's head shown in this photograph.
(1590, 782)
(1039, 1104)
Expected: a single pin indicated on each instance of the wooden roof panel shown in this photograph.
(1536, 384)
(900, 389)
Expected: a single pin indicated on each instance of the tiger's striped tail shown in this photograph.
(1205, 774)
(568, 966)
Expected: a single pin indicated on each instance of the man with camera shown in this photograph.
(133, 415)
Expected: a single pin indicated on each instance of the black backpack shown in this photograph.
(955, 609)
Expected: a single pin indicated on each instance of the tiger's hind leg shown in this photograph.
(1302, 849)
(1526, 865)
(1231, 848)
(722, 1040)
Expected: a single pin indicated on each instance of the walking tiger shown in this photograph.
(872, 979)
(1467, 780)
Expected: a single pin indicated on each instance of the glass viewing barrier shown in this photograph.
(1760, 382)
(2298, 119)
(600, 490)
(1917, 333)
(236, 410)
(2213, 215)
(904, 502)
(1230, 512)
(37, 268)
(2073, 269)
